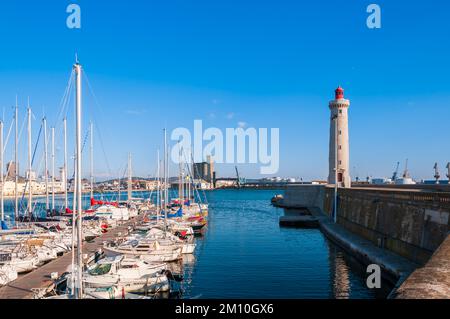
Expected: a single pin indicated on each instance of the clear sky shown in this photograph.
(264, 63)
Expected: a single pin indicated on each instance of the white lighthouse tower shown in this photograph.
(339, 142)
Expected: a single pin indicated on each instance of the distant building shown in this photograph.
(12, 169)
(226, 182)
(204, 171)
(381, 181)
(31, 175)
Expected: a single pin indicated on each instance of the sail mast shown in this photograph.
(119, 190)
(130, 179)
(53, 169)
(166, 195)
(2, 199)
(92, 159)
(180, 176)
(47, 206)
(16, 173)
(30, 191)
(158, 188)
(64, 182)
(79, 288)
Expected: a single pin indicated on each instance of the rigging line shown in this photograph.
(21, 129)
(82, 149)
(18, 141)
(190, 173)
(151, 192)
(64, 100)
(63, 109)
(32, 162)
(103, 148)
(91, 90)
(7, 137)
(121, 178)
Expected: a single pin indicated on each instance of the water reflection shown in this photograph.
(340, 276)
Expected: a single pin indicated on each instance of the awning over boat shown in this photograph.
(95, 202)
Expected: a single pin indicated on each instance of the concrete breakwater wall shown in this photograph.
(430, 281)
(304, 196)
(410, 223)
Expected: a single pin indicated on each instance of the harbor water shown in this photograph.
(243, 253)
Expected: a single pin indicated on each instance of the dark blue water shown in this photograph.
(245, 254)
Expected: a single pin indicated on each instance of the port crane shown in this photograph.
(406, 173)
(238, 179)
(395, 174)
(437, 176)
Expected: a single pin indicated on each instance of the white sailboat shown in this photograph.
(129, 273)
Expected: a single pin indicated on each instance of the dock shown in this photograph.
(22, 288)
(303, 221)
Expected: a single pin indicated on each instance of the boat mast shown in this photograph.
(79, 288)
(66, 200)
(183, 180)
(92, 159)
(53, 169)
(30, 191)
(47, 206)
(120, 181)
(130, 179)
(180, 177)
(158, 190)
(2, 199)
(16, 173)
(166, 194)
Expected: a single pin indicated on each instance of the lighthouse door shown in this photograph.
(340, 177)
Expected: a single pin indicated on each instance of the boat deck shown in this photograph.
(22, 288)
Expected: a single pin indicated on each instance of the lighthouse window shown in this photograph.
(340, 147)
(340, 111)
(340, 132)
(340, 162)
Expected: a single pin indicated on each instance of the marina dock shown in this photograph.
(24, 286)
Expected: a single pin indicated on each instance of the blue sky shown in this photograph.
(266, 63)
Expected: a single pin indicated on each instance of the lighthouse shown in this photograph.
(339, 142)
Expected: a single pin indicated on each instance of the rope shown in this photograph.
(32, 162)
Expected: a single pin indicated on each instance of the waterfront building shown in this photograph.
(205, 170)
(12, 169)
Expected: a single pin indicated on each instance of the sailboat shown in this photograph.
(131, 274)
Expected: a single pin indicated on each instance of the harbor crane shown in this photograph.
(437, 176)
(395, 174)
(406, 173)
(238, 179)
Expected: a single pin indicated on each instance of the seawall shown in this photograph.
(409, 223)
(399, 229)
(430, 281)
